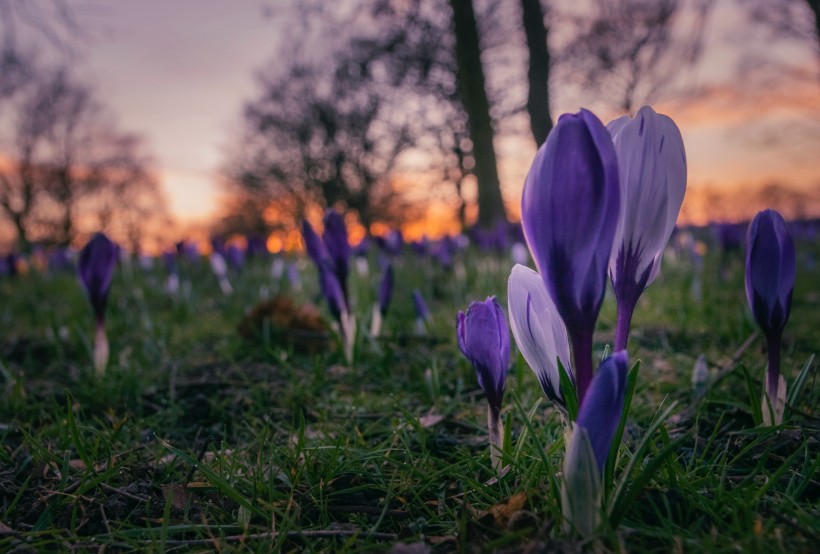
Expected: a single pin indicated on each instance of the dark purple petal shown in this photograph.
(422, 311)
(333, 293)
(484, 339)
(386, 290)
(96, 269)
(601, 411)
(337, 245)
(569, 211)
(315, 247)
(770, 271)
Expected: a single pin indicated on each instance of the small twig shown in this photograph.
(123, 493)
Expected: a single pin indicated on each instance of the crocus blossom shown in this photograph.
(96, 270)
(589, 444)
(538, 330)
(770, 275)
(484, 339)
(423, 315)
(338, 247)
(383, 297)
(652, 169)
(569, 210)
(220, 269)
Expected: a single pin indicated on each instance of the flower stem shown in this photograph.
(496, 432)
(582, 357)
(625, 310)
(773, 371)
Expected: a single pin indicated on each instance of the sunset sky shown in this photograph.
(178, 73)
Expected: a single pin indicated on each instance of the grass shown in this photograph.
(198, 439)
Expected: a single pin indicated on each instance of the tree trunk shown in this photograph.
(538, 74)
(477, 106)
(814, 6)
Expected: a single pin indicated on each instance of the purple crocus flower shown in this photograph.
(770, 275)
(383, 297)
(484, 339)
(589, 443)
(423, 315)
(338, 247)
(235, 256)
(385, 290)
(601, 412)
(333, 293)
(538, 330)
(652, 166)
(569, 211)
(96, 270)
(392, 243)
(316, 249)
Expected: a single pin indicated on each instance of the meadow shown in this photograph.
(202, 438)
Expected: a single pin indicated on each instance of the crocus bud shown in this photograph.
(770, 275)
(652, 170)
(333, 293)
(385, 293)
(484, 339)
(338, 247)
(423, 316)
(220, 269)
(569, 211)
(538, 330)
(96, 269)
(315, 247)
(589, 443)
(601, 413)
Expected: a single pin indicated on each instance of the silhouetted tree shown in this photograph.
(70, 166)
(538, 71)
(474, 97)
(322, 136)
(628, 52)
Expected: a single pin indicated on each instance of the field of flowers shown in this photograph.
(338, 401)
(233, 421)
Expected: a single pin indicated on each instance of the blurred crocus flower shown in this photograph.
(652, 168)
(392, 243)
(220, 269)
(96, 270)
(172, 283)
(315, 247)
(538, 330)
(589, 444)
(277, 268)
(293, 276)
(338, 307)
(383, 297)
(770, 275)
(338, 247)
(423, 315)
(484, 339)
(235, 256)
(569, 211)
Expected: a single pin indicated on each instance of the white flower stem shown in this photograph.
(496, 431)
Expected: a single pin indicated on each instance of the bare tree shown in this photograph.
(474, 97)
(69, 163)
(629, 52)
(321, 137)
(538, 72)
